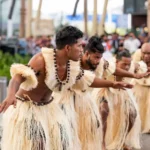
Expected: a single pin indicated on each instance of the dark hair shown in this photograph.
(94, 45)
(124, 53)
(120, 45)
(67, 36)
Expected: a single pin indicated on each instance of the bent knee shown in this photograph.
(132, 115)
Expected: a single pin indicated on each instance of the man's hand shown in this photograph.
(122, 85)
(142, 75)
(7, 102)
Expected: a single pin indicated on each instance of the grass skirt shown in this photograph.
(31, 127)
(120, 107)
(66, 103)
(142, 94)
(89, 122)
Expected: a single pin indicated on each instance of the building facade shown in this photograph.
(4, 12)
(138, 10)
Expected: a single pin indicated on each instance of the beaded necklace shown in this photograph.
(115, 79)
(59, 82)
(81, 72)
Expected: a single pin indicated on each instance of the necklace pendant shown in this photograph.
(60, 86)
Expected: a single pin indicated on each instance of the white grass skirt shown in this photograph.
(31, 127)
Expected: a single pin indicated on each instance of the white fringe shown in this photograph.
(89, 122)
(142, 94)
(31, 81)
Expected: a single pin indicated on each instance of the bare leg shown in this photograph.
(132, 117)
(104, 111)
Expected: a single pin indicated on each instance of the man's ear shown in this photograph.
(117, 61)
(67, 48)
(87, 53)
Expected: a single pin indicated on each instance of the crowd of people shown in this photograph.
(72, 98)
(130, 41)
(30, 45)
(111, 42)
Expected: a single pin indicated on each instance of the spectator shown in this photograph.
(115, 41)
(30, 46)
(131, 43)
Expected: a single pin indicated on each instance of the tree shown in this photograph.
(75, 8)
(94, 29)
(85, 18)
(22, 19)
(29, 19)
(102, 23)
(38, 16)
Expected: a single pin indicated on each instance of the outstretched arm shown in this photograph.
(123, 73)
(100, 83)
(13, 88)
(25, 75)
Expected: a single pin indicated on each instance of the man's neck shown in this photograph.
(61, 58)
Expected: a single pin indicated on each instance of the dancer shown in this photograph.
(143, 98)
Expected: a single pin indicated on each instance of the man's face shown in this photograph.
(146, 54)
(124, 63)
(120, 48)
(75, 51)
(115, 36)
(131, 35)
(93, 60)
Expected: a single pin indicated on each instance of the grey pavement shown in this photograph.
(145, 142)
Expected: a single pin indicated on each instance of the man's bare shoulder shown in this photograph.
(37, 62)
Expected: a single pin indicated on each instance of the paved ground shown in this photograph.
(145, 141)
